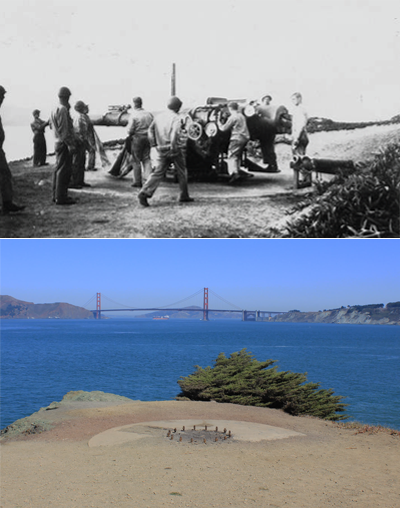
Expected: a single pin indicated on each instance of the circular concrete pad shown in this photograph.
(241, 431)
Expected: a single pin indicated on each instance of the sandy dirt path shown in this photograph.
(321, 465)
(110, 209)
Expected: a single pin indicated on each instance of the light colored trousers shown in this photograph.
(161, 161)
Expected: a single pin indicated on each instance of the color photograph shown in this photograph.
(200, 373)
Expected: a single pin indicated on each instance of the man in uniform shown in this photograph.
(164, 137)
(138, 127)
(5, 173)
(81, 128)
(237, 125)
(299, 126)
(61, 123)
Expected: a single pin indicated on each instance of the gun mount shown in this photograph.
(206, 145)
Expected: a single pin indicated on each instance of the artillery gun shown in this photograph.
(206, 145)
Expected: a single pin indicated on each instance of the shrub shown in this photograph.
(364, 203)
(241, 379)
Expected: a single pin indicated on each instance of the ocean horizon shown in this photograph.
(18, 144)
(143, 359)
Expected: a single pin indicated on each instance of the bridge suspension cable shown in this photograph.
(223, 299)
(160, 307)
(180, 301)
(90, 299)
(116, 303)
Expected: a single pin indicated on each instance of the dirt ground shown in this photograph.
(110, 209)
(271, 460)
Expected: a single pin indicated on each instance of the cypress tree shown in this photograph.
(241, 379)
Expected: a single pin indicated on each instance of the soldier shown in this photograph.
(164, 137)
(38, 127)
(61, 123)
(91, 142)
(81, 129)
(236, 123)
(138, 126)
(299, 126)
(266, 100)
(5, 173)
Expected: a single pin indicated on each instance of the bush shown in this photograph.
(391, 305)
(364, 203)
(241, 379)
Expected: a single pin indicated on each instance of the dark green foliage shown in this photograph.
(362, 308)
(392, 304)
(241, 379)
(363, 204)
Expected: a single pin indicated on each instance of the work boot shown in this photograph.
(68, 201)
(187, 199)
(143, 199)
(9, 206)
(234, 178)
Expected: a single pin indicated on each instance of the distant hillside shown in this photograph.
(11, 308)
(191, 315)
(373, 314)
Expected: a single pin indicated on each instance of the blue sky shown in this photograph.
(253, 274)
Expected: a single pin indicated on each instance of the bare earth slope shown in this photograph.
(81, 462)
(110, 209)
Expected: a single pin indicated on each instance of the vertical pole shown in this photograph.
(173, 80)
(243, 315)
(205, 305)
(98, 305)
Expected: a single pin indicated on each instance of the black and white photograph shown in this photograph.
(189, 119)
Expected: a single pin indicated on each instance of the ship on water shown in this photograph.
(161, 317)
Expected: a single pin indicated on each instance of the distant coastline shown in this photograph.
(371, 314)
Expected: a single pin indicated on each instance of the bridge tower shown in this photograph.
(205, 305)
(98, 305)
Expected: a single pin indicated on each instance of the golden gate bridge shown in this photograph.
(247, 315)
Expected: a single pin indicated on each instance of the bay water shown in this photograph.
(19, 145)
(42, 360)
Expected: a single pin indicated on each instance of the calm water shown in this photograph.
(19, 144)
(143, 359)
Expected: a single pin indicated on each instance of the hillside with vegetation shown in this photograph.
(371, 314)
(11, 308)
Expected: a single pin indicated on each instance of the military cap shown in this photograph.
(174, 103)
(64, 92)
(80, 106)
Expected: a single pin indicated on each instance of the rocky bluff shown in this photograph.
(372, 314)
(11, 308)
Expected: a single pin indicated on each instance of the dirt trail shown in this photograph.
(320, 465)
(110, 209)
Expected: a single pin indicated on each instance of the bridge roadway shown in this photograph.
(246, 314)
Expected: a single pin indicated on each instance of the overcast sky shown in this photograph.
(343, 55)
(252, 274)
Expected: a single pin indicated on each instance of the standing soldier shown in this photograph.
(5, 173)
(80, 123)
(61, 123)
(164, 139)
(240, 135)
(38, 127)
(90, 141)
(138, 126)
(299, 126)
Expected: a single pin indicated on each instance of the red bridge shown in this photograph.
(247, 315)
